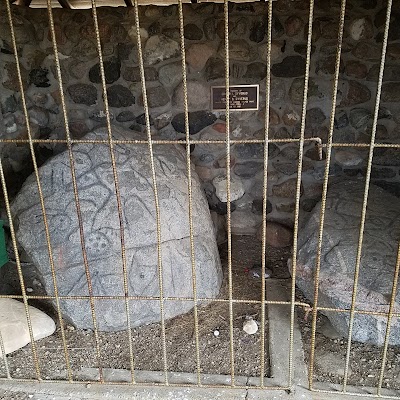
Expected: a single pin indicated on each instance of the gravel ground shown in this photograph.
(330, 356)
(180, 336)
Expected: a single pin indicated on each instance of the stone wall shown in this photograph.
(204, 54)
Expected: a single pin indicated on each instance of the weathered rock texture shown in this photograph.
(338, 259)
(101, 231)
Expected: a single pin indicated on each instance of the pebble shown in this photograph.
(250, 326)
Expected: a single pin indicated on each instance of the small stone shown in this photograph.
(257, 31)
(198, 54)
(124, 50)
(257, 206)
(193, 32)
(112, 71)
(162, 120)
(38, 77)
(387, 157)
(10, 76)
(14, 326)
(331, 363)
(239, 50)
(125, 116)
(290, 67)
(391, 92)
(302, 49)
(367, 51)
(277, 27)
(236, 188)
(241, 27)
(287, 188)
(383, 173)
(214, 69)
(159, 48)
(356, 69)
(291, 117)
(78, 129)
(198, 95)
(248, 169)
(361, 28)
(309, 204)
(119, 96)
(256, 71)
(315, 116)
(250, 151)
(276, 50)
(244, 223)
(100, 116)
(348, 158)
(172, 33)
(341, 120)
(273, 117)
(359, 117)
(293, 25)
(278, 90)
(355, 93)
(82, 93)
(154, 28)
(9, 105)
(132, 74)
(198, 120)
(286, 207)
(286, 168)
(220, 127)
(327, 65)
(171, 74)
(209, 28)
(39, 116)
(250, 326)
(156, 97)
(277, 235)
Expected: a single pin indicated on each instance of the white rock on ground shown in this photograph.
(14, 327)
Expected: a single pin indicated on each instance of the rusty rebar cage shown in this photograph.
(150, 142)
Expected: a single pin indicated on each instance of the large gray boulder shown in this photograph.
(102, 231)
(338, 259)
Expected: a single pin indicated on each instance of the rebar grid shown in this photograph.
(111, 142)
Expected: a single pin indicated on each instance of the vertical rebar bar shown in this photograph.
(325, 191)
(366, 192)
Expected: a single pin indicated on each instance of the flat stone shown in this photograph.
(277, 235)
(250, 151)
(171, 74)
(359, 117)
(14, 326)
(119, 96)
(355, 93)
(294, 25)
(361, 28)
(214, 69)
(198, 120)
(248, 169)
(391, 92)
(237, 189)
(315, 116)
(257, 31)
(159, 48)
(239, 50)
(132, 74)
(331, 363)
(103, 246)
(157, 96)
(125, 116)
(341, 120)
(356, 69)
(38, 77)
(256, 71)
(39, 116)
(162, 120)
(10, 77)
(338, 259)
(348, 158)
(82, 93)
(198, 54)
(257, 206)
(287, 189)
(198, 96)
(244, 223)
(276, 50)
(367, 51)
(193, 32)
(291, 116)
(112, 71)
(286, 168)
(209, 28)
(327, 65)
(290, 67)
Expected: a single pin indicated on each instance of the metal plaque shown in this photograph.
(241, 98)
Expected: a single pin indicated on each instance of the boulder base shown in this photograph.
(101, 227)
(338, 259)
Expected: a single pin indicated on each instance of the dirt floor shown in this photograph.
(365, 360)
(330, 356)
(180, 336)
